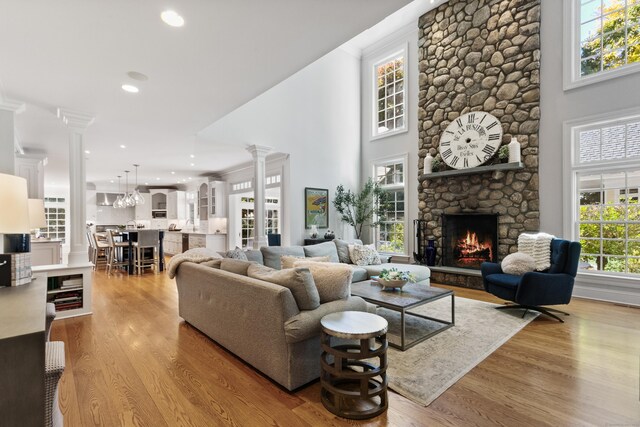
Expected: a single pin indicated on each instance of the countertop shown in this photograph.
(197, 232)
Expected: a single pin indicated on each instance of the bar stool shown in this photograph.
(114, 248)
(147, 239)
(99, 251)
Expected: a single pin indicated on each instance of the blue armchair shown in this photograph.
(532, 290)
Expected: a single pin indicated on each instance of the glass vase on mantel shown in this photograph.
(430, 253)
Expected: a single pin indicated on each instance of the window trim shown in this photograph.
(402, 49)
(571, 62)
(572, 167)
(404, 159)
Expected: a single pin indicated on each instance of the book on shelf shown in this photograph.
(69, 305)
(72, 282)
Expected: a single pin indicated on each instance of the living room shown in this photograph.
(135, 360)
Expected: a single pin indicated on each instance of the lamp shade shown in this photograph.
(14, 205)
(36, 214)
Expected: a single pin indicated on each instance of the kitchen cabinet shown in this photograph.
(143, 212)
(172, 243)
(176, 205)
(197, 241)
(203, 201)
(217, 196)
(159, 203)
(159, 224)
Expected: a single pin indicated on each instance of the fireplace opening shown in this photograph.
(469, 240)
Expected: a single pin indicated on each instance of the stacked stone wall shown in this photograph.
(481, 55)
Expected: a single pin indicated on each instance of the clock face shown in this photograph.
(470, 140)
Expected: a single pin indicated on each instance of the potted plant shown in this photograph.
(359, 209)
(394, 278)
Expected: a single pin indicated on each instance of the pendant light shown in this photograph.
(137, 197)
(128, 200)
(118, 203)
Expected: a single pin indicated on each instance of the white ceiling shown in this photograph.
(76, 53)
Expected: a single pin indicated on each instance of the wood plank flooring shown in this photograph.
(134, 362)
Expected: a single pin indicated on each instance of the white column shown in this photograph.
(8, 110)
(259, 154)
(77, 123)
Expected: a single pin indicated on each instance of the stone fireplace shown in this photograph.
(480, 55)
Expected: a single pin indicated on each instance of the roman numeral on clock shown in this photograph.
(471, 118)
(466, 162)
(454, 161)
(447, 153)
(494, 136)
(488, 150)
(445, 143)
(459, 122)
(492, 125)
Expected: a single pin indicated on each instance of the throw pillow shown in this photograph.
(236, 266)
(518, 263)
(364, 255)
(298, 280)
(236, 253)
(332, 280)
(287, 261)
(327, 249)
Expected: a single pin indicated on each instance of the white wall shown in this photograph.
(556, 107)
(398, 145)
(314, 116)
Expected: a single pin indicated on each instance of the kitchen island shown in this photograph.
(176, 242)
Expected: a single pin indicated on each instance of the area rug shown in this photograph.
(425, 371)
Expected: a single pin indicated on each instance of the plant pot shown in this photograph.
(391, 284)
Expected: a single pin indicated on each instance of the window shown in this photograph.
(271, 221)
(605, 175)
(55, 213)
(391, 231)
(390, 88)
(604, 40)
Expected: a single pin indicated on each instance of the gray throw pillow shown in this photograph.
(272, 254)
(298, 280)
(287, 261)
(343, 251)
(236, 253)
(332, 280)
(327, 249)
(236, 266)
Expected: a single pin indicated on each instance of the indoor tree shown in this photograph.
(363, 208)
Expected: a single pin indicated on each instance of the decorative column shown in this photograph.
(77, 123)
(259, 154)
(8, 109)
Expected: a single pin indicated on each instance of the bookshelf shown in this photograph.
(68, 287)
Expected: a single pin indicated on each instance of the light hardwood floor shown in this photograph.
(135, 362)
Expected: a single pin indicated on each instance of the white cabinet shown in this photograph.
(172, 243)
(143, 212)
(217, 242)
(46, 252)
(159, 224)
(203, 202)
(197, 241)
(217, 198)
(176, 205)
(69, 288)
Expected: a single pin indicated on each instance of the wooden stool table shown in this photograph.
(354, 393)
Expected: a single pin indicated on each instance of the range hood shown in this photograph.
(106, 199)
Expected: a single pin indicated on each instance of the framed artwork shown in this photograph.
(316, 207)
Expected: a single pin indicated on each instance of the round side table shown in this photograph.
(358, 393)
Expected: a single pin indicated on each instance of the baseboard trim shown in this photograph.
(616, 293)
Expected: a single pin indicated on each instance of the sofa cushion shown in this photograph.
(298, 280)
(332, 280)
(215, 263)
(203, 252)
(342, 247)
(254, 255)
(236, 253)
(327, 249)
(421, 272)
(236, 266)
(364, 255)
(359, 274)
(272, 254)
(504, 280)
(287, 261)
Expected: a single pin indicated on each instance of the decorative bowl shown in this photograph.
(391, 284)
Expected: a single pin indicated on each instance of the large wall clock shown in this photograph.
(470, 140)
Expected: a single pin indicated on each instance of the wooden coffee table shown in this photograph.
(410, 297)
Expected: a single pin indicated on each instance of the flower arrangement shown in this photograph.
(395, 274)
(503, 153)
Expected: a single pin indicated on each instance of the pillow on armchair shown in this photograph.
(518, 263)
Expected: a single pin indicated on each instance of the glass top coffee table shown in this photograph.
(410, 297)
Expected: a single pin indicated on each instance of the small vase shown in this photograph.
(314, 231)
(430, 254)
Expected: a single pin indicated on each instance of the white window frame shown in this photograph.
(571, 69)
(572, 168)
(403, 51)
(404, 159)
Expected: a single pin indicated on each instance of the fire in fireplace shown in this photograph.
(469, 240)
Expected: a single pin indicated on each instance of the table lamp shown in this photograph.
(37, 218)
(14, 223)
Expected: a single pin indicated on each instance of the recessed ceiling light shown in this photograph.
(192, 156)
(146, 183)
(130, 88)
(190, 178)
(111, 181)
(172, 18)
(137, 76)
(193, 164)
(123, 146)
(87, 152)
(173, 173)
